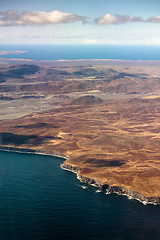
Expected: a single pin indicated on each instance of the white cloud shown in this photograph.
(127, 40)
(2, 23)
(156, 41)
(116, 19)
(9, 13)
(154, 19)
(152, 41)
(90, 41)
(101, 41)
(36, 36)
(14, 18)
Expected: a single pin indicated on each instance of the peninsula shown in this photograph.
(103, 115)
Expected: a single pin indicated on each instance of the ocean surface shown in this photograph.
(69, 52)
(40, 201)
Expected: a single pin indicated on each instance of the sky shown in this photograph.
(119, 22)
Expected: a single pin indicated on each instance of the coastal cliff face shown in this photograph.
(111, 189)
(132, 194)
(106, 188)
(83, 179)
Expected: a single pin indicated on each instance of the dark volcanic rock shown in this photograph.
(37, 125)
(52, 71)
(21, 70)
(18, 71)
(104, 162)
(86, 72)
(5, 98)
(17, 139)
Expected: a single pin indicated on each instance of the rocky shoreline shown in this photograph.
(108, 189)
(80, 177)
(32, 151)
(111, 189)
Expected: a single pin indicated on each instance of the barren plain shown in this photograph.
(104, 115)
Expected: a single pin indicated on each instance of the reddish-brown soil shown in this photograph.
(113, 139)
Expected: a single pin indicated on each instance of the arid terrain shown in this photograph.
(104, 115)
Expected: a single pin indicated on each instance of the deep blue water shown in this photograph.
(40, 201)
(59, 52)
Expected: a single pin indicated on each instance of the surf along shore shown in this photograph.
(102, 116)
(105, 188)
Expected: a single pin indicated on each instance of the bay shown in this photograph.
(39, 200)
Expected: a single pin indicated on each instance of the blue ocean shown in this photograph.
(40, 201)
(69, 52)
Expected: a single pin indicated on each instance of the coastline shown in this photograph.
(108, 189)
(33, 151)
(105, 188)
(83, 62)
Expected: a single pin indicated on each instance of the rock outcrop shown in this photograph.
(111, 189)
(87, 100)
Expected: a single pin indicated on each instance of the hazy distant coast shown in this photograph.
(83, 62)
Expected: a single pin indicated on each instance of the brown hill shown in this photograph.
(87, 100)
